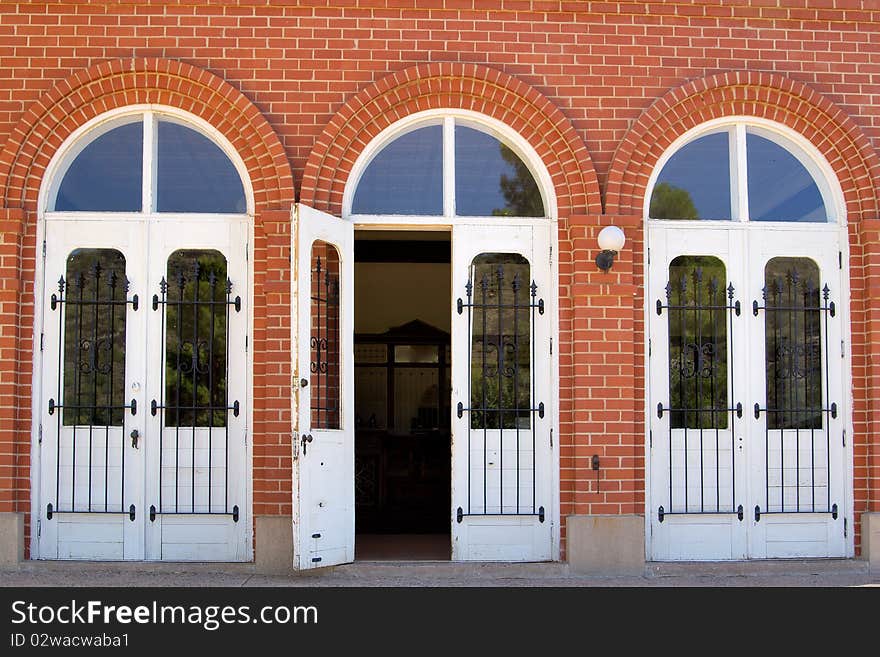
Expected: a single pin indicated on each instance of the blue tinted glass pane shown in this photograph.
(194, 174)
(780, 188)
(491, 180)
(107, 174)
(695, 183)
(405, 177)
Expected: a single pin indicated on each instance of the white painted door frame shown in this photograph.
(318, 225)
(145, 241)
(745, 249)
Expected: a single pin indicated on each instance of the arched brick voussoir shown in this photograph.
(747, 93)
(451, 85)
(113, 84)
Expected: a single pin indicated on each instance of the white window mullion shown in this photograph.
(149, 174)
(449, 166)
(739, 174)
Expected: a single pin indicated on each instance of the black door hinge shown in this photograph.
(840, 259)
(42, 337)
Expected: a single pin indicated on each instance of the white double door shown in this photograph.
(143, 394)
(748, 402)
(502, 497)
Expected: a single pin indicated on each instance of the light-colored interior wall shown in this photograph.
(388, 294)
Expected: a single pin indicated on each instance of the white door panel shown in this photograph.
(502, 501)
(697, 462)
(324, 447)
(91, 475)
(198, 473)
(797, 470)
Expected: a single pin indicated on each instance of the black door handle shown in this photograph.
(307, 438)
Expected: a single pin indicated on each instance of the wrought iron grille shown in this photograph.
(700, 331)
(89, 400)
(324, 341)
(503, 413)
(798, 409)
(196, 300)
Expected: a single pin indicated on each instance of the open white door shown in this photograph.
(323, 289)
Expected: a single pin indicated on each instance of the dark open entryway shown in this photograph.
(402, 395)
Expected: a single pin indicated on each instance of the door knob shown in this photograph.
(307, 438)
(134, 438)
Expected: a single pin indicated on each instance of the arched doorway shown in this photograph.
(747, 322)
(143, 297)
(450, 412)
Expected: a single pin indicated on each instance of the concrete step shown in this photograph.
(755, 568)
(452, 569)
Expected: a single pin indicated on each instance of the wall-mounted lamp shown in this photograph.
(611, 241)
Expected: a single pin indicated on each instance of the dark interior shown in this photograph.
(402, 401)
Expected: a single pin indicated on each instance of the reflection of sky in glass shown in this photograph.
(405, 177)
(194, 174)
(478, 170)
(780, 188)
(107, 174)
(702, 168)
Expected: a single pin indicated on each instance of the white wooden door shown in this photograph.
(197, 391)
(92, 364)
(797, 406)
(746, 405)
(323, 491)
(502, 497)
(144, 390)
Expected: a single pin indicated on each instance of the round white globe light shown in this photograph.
(611, 238)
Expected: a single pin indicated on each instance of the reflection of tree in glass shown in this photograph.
(195, 339)
(670, 202)
(697, 343)
(500, 346)
(793, 338)
(94, 294)
(520, 190)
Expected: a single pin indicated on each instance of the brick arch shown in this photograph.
(109, 85)
(454, 86)
(746, 93)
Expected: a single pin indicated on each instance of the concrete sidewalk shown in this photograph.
(783, 573)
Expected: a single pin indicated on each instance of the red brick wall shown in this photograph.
(597, 88)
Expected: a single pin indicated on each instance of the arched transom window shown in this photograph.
(742, 170)
(447, 166)
(147, 162)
